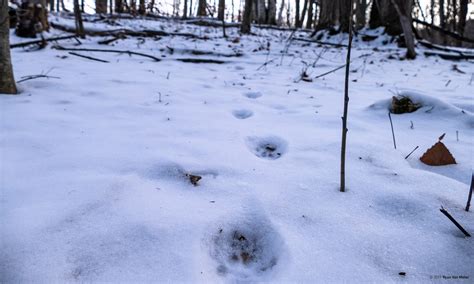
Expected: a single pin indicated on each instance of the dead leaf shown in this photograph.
(438, 155)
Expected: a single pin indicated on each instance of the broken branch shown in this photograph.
(58, 47)
(88, 57)
(42, 41)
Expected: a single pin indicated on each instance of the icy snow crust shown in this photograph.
(93, 165)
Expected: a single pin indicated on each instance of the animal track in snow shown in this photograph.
(271, 147)
(253, 95)
(248, 248)
(242, 113)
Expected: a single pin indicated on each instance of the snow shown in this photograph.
(94, 163)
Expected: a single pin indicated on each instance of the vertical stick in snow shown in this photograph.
(346, 105)
(393, 133)
(470, 193)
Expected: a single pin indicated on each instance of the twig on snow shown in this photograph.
(411, 152)
(58, 47)
(446, 213)
(88, 57)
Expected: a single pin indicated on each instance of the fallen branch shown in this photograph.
(42, 41)
(340, 67)
(200, 60)
(114, 38)
(446, 213)
(58, 47)
(88, 57)
(211, 23)
(449, 56)
(321, 42)
(439, 29)
(31, 77)
(442, 48)
(143, 33)
(172, 50)
(331, 71)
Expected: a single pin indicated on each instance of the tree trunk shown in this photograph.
(297, 13)
(309, 21)
(374, 19)
(141, 7)
(32, 19)
(327, 14)
(261, 12)
(383, 13)
(442, 18)
(404, 9)
(7, 81)
(246, 21)
(280, 13)
(303, 13)
(432, 14)
(185, 9)
(254, 15)
(202, 8)
(344, 14)
(462, 16)
(78, 19)
(360, 14)
(101, 6)
(51, 5)
(221, 10)
(271, 19)
(454, 14)
(118, 6)
(63, 7)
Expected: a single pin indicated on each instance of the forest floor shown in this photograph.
(96, 162)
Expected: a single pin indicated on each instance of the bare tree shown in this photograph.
(119, 6)
(202, 8)
(361, 9)
(280, 13)
(344, 13)
(303, 13)
(261, 12)
(141, 7)
(309, 21)
(271, 19)
(462, 16)
(7, 81)
(404, 9)
(78, 19)
(327, 14)
(221, 10)
(185, 9)
(297, 13)
(101, 6)
(246, 21)
(442, 18)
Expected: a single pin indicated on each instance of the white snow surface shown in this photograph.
(94, 163)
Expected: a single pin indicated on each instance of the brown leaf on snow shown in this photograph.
(438, 155)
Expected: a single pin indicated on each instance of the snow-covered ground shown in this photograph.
(94, 162)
